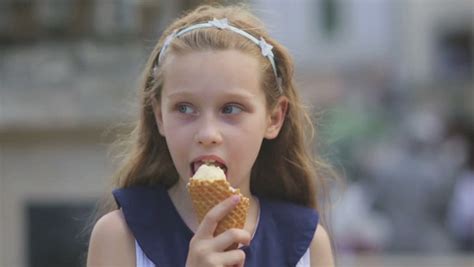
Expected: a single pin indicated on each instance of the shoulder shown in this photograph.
(321, 251)
(290, 211)
(111, 242)
(293, 225)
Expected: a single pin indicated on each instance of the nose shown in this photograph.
(208, 132)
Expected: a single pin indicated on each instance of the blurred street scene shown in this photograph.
(390, 84)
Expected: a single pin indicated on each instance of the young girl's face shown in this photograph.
(214, 109)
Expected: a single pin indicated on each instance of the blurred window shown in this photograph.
(56, 236)
(330, 10)
(33, 20)
(455, 54)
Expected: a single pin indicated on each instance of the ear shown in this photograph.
(276, 118)
(158, 116)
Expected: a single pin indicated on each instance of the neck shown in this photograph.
(183, 204)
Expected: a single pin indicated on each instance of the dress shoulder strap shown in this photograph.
(141, 259)
(155, 224)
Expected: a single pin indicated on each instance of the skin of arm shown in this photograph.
(111, 243)
(321, 251)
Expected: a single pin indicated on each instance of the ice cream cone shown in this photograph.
(207, 192)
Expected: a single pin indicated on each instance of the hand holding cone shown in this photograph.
(207, 188)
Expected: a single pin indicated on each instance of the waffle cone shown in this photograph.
(205, 194)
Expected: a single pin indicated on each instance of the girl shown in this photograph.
(217, 89)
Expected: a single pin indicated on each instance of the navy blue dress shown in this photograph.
(283, 235)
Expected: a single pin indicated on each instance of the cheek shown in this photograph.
(179, 151)
(246, 145)
(174, 127)
(178, 141)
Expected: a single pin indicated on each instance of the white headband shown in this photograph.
(224, 24)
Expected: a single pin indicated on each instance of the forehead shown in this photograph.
(211, 71)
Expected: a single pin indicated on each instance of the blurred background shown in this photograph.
(389, 81)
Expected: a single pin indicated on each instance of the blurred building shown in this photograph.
(68, 71)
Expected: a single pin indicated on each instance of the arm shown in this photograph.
(111, 242)
(321, 252)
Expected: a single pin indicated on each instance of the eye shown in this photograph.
(185, 109)
(232, 109)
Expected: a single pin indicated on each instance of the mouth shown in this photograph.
(210, 161)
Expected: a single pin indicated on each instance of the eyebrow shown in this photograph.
(187, 93)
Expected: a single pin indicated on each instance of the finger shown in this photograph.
(230, 237)
(234, 257)
(212, 218)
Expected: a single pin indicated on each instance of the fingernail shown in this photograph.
(235, 199)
